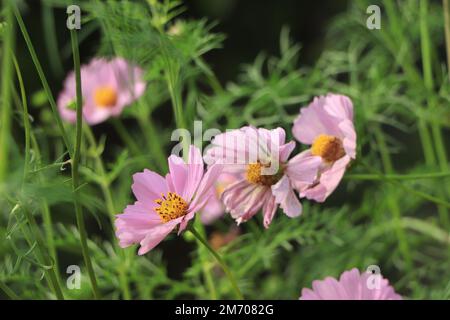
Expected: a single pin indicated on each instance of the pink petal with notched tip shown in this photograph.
(148, 186)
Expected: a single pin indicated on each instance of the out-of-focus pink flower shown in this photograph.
(214, 208)
(327, 125)
(259, 159)
(165, 203)
(107, 88)
(351, 286)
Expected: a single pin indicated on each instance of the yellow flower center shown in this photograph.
(253, 175)
(330, 148)
(171, 207)
(105, 97)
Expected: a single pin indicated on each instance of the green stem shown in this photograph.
(220, 261)
(202, 252)
(392, 200)
(45, 257)
(105, 187)
(11, 294)
(419, 176)
(46, 212)
(75, 162)
(43, 79)
(447, 32)
(26, 121)
(7, 80)
(431, 101)
(51, 42)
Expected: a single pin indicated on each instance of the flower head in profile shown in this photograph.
(214, 208)
(164, 203)
(107, 88)
(265, 178)
(327, 125)
(352, 285)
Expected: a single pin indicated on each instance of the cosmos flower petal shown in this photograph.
(329, 180)
(194, 174)
(286, 198)
(269, 210)
(352, 285)
(314, 121)
(122, 79)
(148, 185)
(155, 235)
(178, 173)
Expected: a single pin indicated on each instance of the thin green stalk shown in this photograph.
(30, 139)
(26, 121)
(447, 32)
(436, 129)
(426, 141)
(7, 80)
(105, 187)
(44, 81)
(408, 66)
(75, 162)
(125, 136)
(11, 294)
(418, 176)
(202, 252)
(51, 42)
(46, 214)
(392, 201)
(425, 46)
(219, 259)
(46, 258)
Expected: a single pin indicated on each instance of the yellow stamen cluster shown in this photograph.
(330, 148)
(105, 97)
(253, 175)
(171, 207)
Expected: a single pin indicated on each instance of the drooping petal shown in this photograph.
(155, 235)
(329, 180)
(303, 168)
(269, 210)
(134, 223)
(286, 198)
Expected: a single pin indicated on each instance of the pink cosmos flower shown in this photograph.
(214, 208)
(259, 158)
(327, 125)
(165, 203)
(107, 88)
(351, 286)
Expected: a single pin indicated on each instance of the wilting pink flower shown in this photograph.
(259, 158)
(327, 125)
(165, 203)
(107, 88)
(351, 286)
(214, 208)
